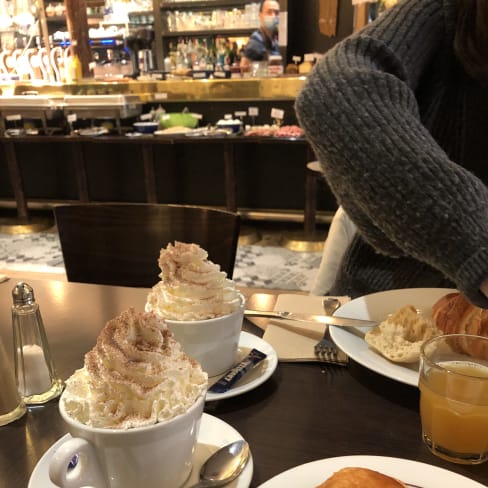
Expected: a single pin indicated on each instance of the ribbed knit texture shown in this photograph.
(386, 115)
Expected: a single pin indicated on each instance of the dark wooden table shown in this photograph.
(304, 412)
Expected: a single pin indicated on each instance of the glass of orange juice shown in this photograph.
(454, 397)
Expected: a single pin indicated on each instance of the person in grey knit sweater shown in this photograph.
(397, 115)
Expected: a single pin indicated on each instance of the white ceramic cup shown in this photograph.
(152, 456)
(211, 342)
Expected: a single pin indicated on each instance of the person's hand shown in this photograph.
(484, 287)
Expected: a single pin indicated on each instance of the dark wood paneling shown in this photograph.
(269, 172)
(303, 27)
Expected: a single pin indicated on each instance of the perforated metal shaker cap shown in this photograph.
(23, 294)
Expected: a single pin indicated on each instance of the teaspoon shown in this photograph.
(330, 305)
(224, 465)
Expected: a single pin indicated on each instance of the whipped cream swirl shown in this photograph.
(135, 375)
(191, 286)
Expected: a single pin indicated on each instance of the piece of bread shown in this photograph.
(399, 337)
(360, 478)
(454, 314)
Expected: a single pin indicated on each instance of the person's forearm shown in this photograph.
(244, 62)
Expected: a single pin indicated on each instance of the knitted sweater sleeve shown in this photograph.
(360, 114)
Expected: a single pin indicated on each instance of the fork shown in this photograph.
(325, 349)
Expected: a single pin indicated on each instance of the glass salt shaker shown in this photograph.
(34, 369)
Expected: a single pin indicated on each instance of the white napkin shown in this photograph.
(295, 341)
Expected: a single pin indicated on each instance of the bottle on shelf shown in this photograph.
(275, 65)
(74, 72)
(307, 65)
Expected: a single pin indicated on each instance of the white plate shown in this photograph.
(214, 433)
(378, 306)
(93, 131)
(258, 375)
(163, 132)
(313, 474)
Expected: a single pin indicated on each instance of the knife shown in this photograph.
(303, 317)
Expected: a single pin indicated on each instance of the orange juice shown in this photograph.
(454, 411)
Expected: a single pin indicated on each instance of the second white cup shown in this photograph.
(211, 342)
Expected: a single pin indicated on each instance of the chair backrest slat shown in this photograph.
(119, 244)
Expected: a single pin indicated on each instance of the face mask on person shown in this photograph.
(271, 23)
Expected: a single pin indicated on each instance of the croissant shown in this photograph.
(454, 314)
(360, 478)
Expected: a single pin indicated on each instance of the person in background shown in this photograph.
(234, 54)
(264, 41)
(397, 115)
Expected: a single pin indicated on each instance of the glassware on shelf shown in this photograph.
(218, 19)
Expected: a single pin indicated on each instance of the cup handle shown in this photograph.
(87, 471)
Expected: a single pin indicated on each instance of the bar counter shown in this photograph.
(259, 177)
(249, 89)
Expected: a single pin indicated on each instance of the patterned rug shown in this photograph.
(256, 266)
(40, 252)
(275, 267)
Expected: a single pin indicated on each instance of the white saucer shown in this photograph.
(214, 433)
(164, 133)
(252, 379)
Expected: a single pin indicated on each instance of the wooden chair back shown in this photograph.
(119, 244)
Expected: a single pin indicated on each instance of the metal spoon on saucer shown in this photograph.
(224, 465)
